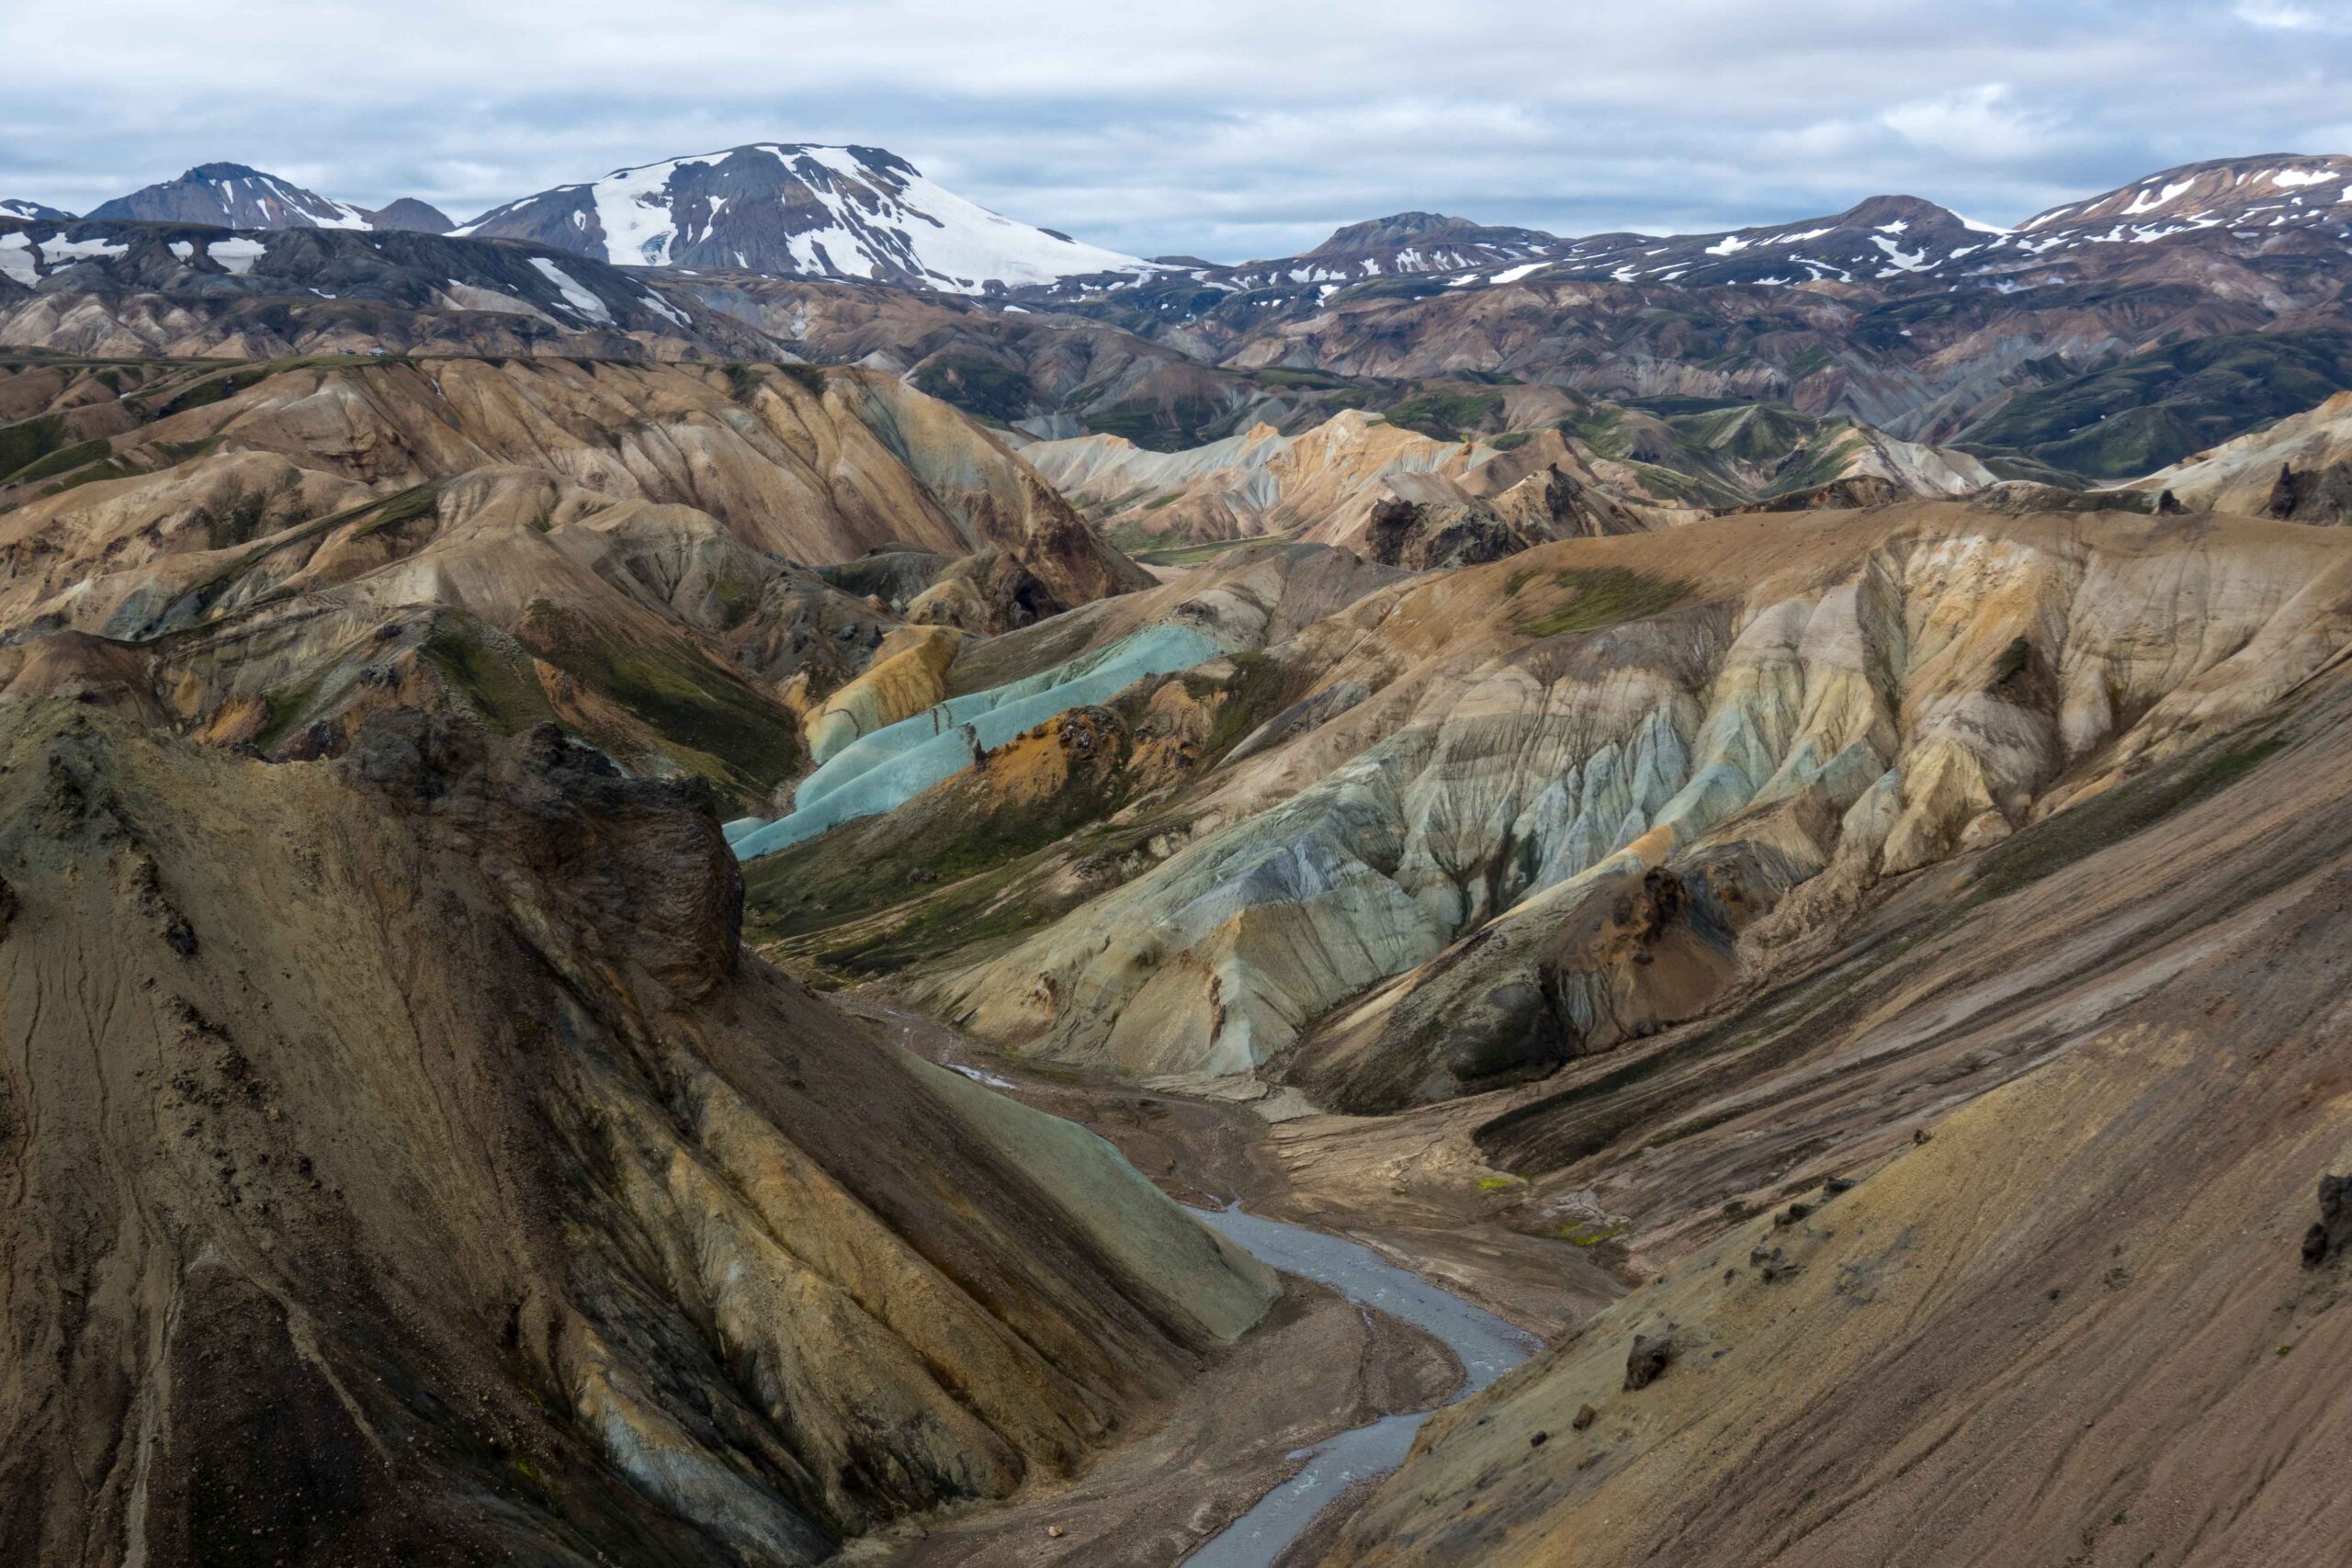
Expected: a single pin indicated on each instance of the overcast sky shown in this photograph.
(1227, 129)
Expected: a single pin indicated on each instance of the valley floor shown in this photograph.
(1408, 1187)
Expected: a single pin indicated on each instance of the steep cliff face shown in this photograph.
(404, 1162)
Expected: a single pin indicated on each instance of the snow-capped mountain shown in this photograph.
(30, 211)
(1884, 237)
(230, 196)
(2241, 206)
(1398, 245)
(2255, 196)
(857, 213)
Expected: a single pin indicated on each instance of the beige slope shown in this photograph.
(2072, 1325)
(1320, 485)
(2300, 468)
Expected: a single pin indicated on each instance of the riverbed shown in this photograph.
(1485, 1345)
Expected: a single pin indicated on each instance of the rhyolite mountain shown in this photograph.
(231, 195)
(859, 213)
(1398, 246)
(1860, 975)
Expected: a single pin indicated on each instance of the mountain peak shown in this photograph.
(412, 216)
(1872, 211)
(797, 209)
(231, 195)
(215, 172)
(2271, 189)
(1414, 228)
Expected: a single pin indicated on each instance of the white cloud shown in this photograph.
(1981, 125)
(2285, 17)
(1223, 126)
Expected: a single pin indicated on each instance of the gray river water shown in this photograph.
(1487, 1346)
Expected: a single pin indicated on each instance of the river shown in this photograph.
(1485, 1345)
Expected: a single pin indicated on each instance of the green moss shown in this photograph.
(286, 707)
(1446, 413)
(743, 382)
(976, 384)
(207, 390)
(1259, 687)
(176, 452)
(749, 742)
(1604, 596)
(957, 867)
(237, 522)
(1183, 555)
(2137, 415)
(66, 460)
(111, 468)
(2059, 841)
(417, 501)
(28, 441)
(1512, 440)
(504, 691)
(2012, 663)
(1170, 426)
(1590, 1234)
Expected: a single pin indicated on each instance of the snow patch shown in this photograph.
(574, 294)
(2149, 200)
(237, 254)
(16, 259)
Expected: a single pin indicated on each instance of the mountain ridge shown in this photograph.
(796, 209)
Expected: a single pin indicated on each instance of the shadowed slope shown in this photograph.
(404, 1166)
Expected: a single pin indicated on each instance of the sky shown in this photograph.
(1224, 128)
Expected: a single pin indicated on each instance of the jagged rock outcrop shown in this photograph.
(1424, 535)
(404, 1161)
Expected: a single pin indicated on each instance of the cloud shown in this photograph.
(1226, 127)
(2287, 19)
(1980, 125)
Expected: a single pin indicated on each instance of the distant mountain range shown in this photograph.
(2100, 339)
(861, 214)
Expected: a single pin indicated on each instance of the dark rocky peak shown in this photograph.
(413, 216)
